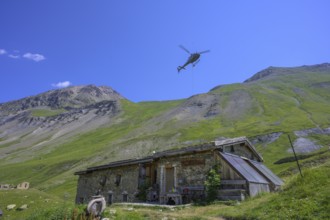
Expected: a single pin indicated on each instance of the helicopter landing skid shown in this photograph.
(194, 64)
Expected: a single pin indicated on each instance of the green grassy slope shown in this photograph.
(34, 199)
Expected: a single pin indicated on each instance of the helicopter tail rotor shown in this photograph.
(180, 68)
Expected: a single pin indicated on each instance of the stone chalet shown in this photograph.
(177, 176)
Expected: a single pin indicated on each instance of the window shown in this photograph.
(118, 179)
(232, 150)
(103, 181)
(110, 193)
(125, 198)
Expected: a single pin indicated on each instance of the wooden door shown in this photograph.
(169, 185)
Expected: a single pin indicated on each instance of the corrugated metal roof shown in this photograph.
(244, 168)
(267, 172)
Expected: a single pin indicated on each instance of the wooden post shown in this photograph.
(295, 156)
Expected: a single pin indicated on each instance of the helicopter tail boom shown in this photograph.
(180, 68)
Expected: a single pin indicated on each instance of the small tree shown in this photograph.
(212, 183)
(143, 191)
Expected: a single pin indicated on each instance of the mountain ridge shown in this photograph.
(270, 71)
(73, 96)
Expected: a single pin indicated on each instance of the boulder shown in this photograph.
(23, 207)
(11, 206)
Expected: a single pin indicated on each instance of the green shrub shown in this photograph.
(143, 190)
(212, 184)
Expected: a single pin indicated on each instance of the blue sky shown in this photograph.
(132, 46)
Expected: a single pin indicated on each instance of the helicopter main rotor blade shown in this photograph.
(183, 48)
(205, 51)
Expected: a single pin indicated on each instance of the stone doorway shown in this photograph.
(169, 185)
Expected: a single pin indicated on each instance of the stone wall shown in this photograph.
(120, 182)
(24, 185)
(190, 169)
(190, 172)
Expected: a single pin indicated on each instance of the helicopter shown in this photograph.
(193, 58)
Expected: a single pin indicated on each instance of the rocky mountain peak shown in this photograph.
(78, 96)
(72, 97)
(262, 74)
(270, 71)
